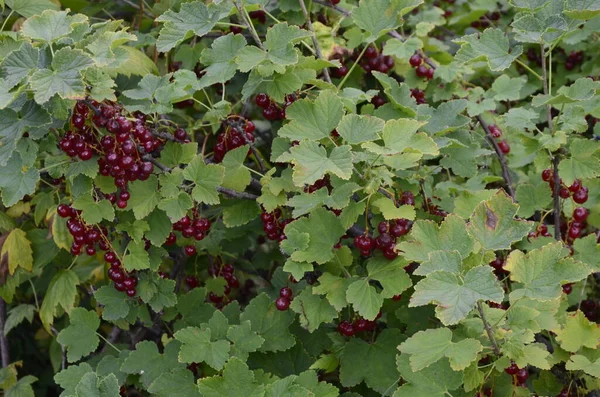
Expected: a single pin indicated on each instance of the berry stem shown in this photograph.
(528, 69)
(313, 36)
(246, 19)
(3, 342)
(500, 154)
(488, 329)
(339, 87)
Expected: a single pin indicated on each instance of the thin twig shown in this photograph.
(339, 9)
(501, 157)
(240, 8)
(137, 7)
(313, 36)
(488, 329)
(3, 342)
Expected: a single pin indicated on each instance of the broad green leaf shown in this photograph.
(492, 223)
(175, 153)
(22, 388)
(176, 207)
(427, 347)
(587, 250)
(390, 211)
(582, 9)
(178, 382)
(491, 45)
(507, 88)
(313, 119)
(16, 315)
(542, 271)
(17, 180)
(376, 360)
(377, 17)
(357, 129)
(240, 213)
(237, 176)
(220, 59)
(80, 338)
(334, 288)
(450, 261)
(402, 49)
(437, 380)
(29, 8)
(583, 163)
(237, 380)
(398, 93)
(323, 229)
(312, 309)
(114, 302)
(196, 346)
(532, 198)
(426, 237)
(447, 117)
(206, 179)
(69, 377)
(364, 299)
(456, 296)
(401, 135)
(580, 362)
(14, 123)
(244, 340)
(16, 250)
(136, 257)
(149, 363)
(582, 89)
(311, 162)
(156, 291)
(390, 274)
(19, 64)
(91, 385)
(160, 227)
(578, 332)
(50, 25)
(144, 196)
(61, 291)
(270, 323)
(194, 18)
(93, 211)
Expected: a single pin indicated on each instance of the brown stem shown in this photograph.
(488, 330)
(313, 36)
(3, 342)
(240, 9)
(501, 157)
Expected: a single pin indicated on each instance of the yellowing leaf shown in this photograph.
(16, 250)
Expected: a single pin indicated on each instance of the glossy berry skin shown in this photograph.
(364, 242)
(131, 292)
(564, 193)
(581, 196)
(547, 175)
(286, 293)
(191, 281)
(421, 71)
(64, 211)
(415, 60)
(522, 375)
(190, 250)
(512, 369)
(567, 288)
(580, 214)
(495, 131)
(346, 328)
(262, 100)
(282, 304)
(504, 147)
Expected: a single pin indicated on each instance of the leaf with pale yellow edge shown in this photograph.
(16, 250)
(578, 332)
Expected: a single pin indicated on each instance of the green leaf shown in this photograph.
(237, 176)
(61, 291)
(237, 380)
(426, 237)
(69, 377)
(447, 117)
(50, 25)
(430, 346)
(160, 227)
(144, 196)
(194, 18)
(149, 363)
(80, 338)
(583, 163)
(580, 362)
(364, 299)
(206, 178)
(16, 315)
(268, 322)
(176, 207)
(437, 380)
(587, 250)
(323, 229)
(29, 8)
(390, 211)
(402, 50)
(19, 64)
(136, 257)
(93, 211)
(12, 126)
(390, 274)
(17, 180)
(175, 153)
(491, 45)
(313, 310)
(582, 9)
(311, 162)
(532, 198)
(114, 302)
(492, 223)
(358, 129)
(64, 78)
(220, 59)
(313, 120)
(240, 213)
(156, 291)
(398, 93)
(377, 17)
(578, 332)
(334, 288)
(16, 250)
(91, 385)
(508, 89)
(178, 382)
(22, 388)
(196, 346)
(542, 271)
(244, 340)
(456, 296)
(376, 360)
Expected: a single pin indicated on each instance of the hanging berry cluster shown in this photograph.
(285, 298)
(419, 95)
(577, 191)
(225, 271)
(519, 375)
(375, 61)
(273, 224)
(195, 227)
(271, 110)
(90, 236)
(235, 134)
(496, 132)
(349, 328)
(421, 69)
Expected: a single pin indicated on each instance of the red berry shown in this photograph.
(282, 304)
(346, 328)
(131, 292)
(262, 100)
(512, 369)
(564, 193)
(285, 293)
(567, 288)
(547, 174)
(190, 250)
(580, 214)
(422, 71)
(364, 242)
(575, 186)
(522, 375)
(64, 211)
(495, 131)
(581, 196)
(504, 147)
(415, 60)
(574, 232)
(192, 281)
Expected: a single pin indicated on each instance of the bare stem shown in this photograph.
(248, 23)
(313, 36)
(3, 342)
(339, 9)
(501, 157)
(488, 330)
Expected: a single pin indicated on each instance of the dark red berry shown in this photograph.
(190, 250)
(282, 304)
(285, 293)
(580, 214)
(547, 174)
(415, 60)
(512, 369)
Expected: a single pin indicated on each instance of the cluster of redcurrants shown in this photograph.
(519, 375)
(590, 307)
(233, 137)
(83, 235)
(419, 95)
(541, 230)
(386, 241)
(498, 265)
(578, 223)
(123, 282)
(484, 21)
(195, 227)
(421, 69)
(487, 392)
(349, 329)
(271, 110)
(575, 58)
(285, 298)
(378, 101)
(534, 55)
(373, 60)
(273, 224)
(496, 132)
(225, 271)
(576, 190)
